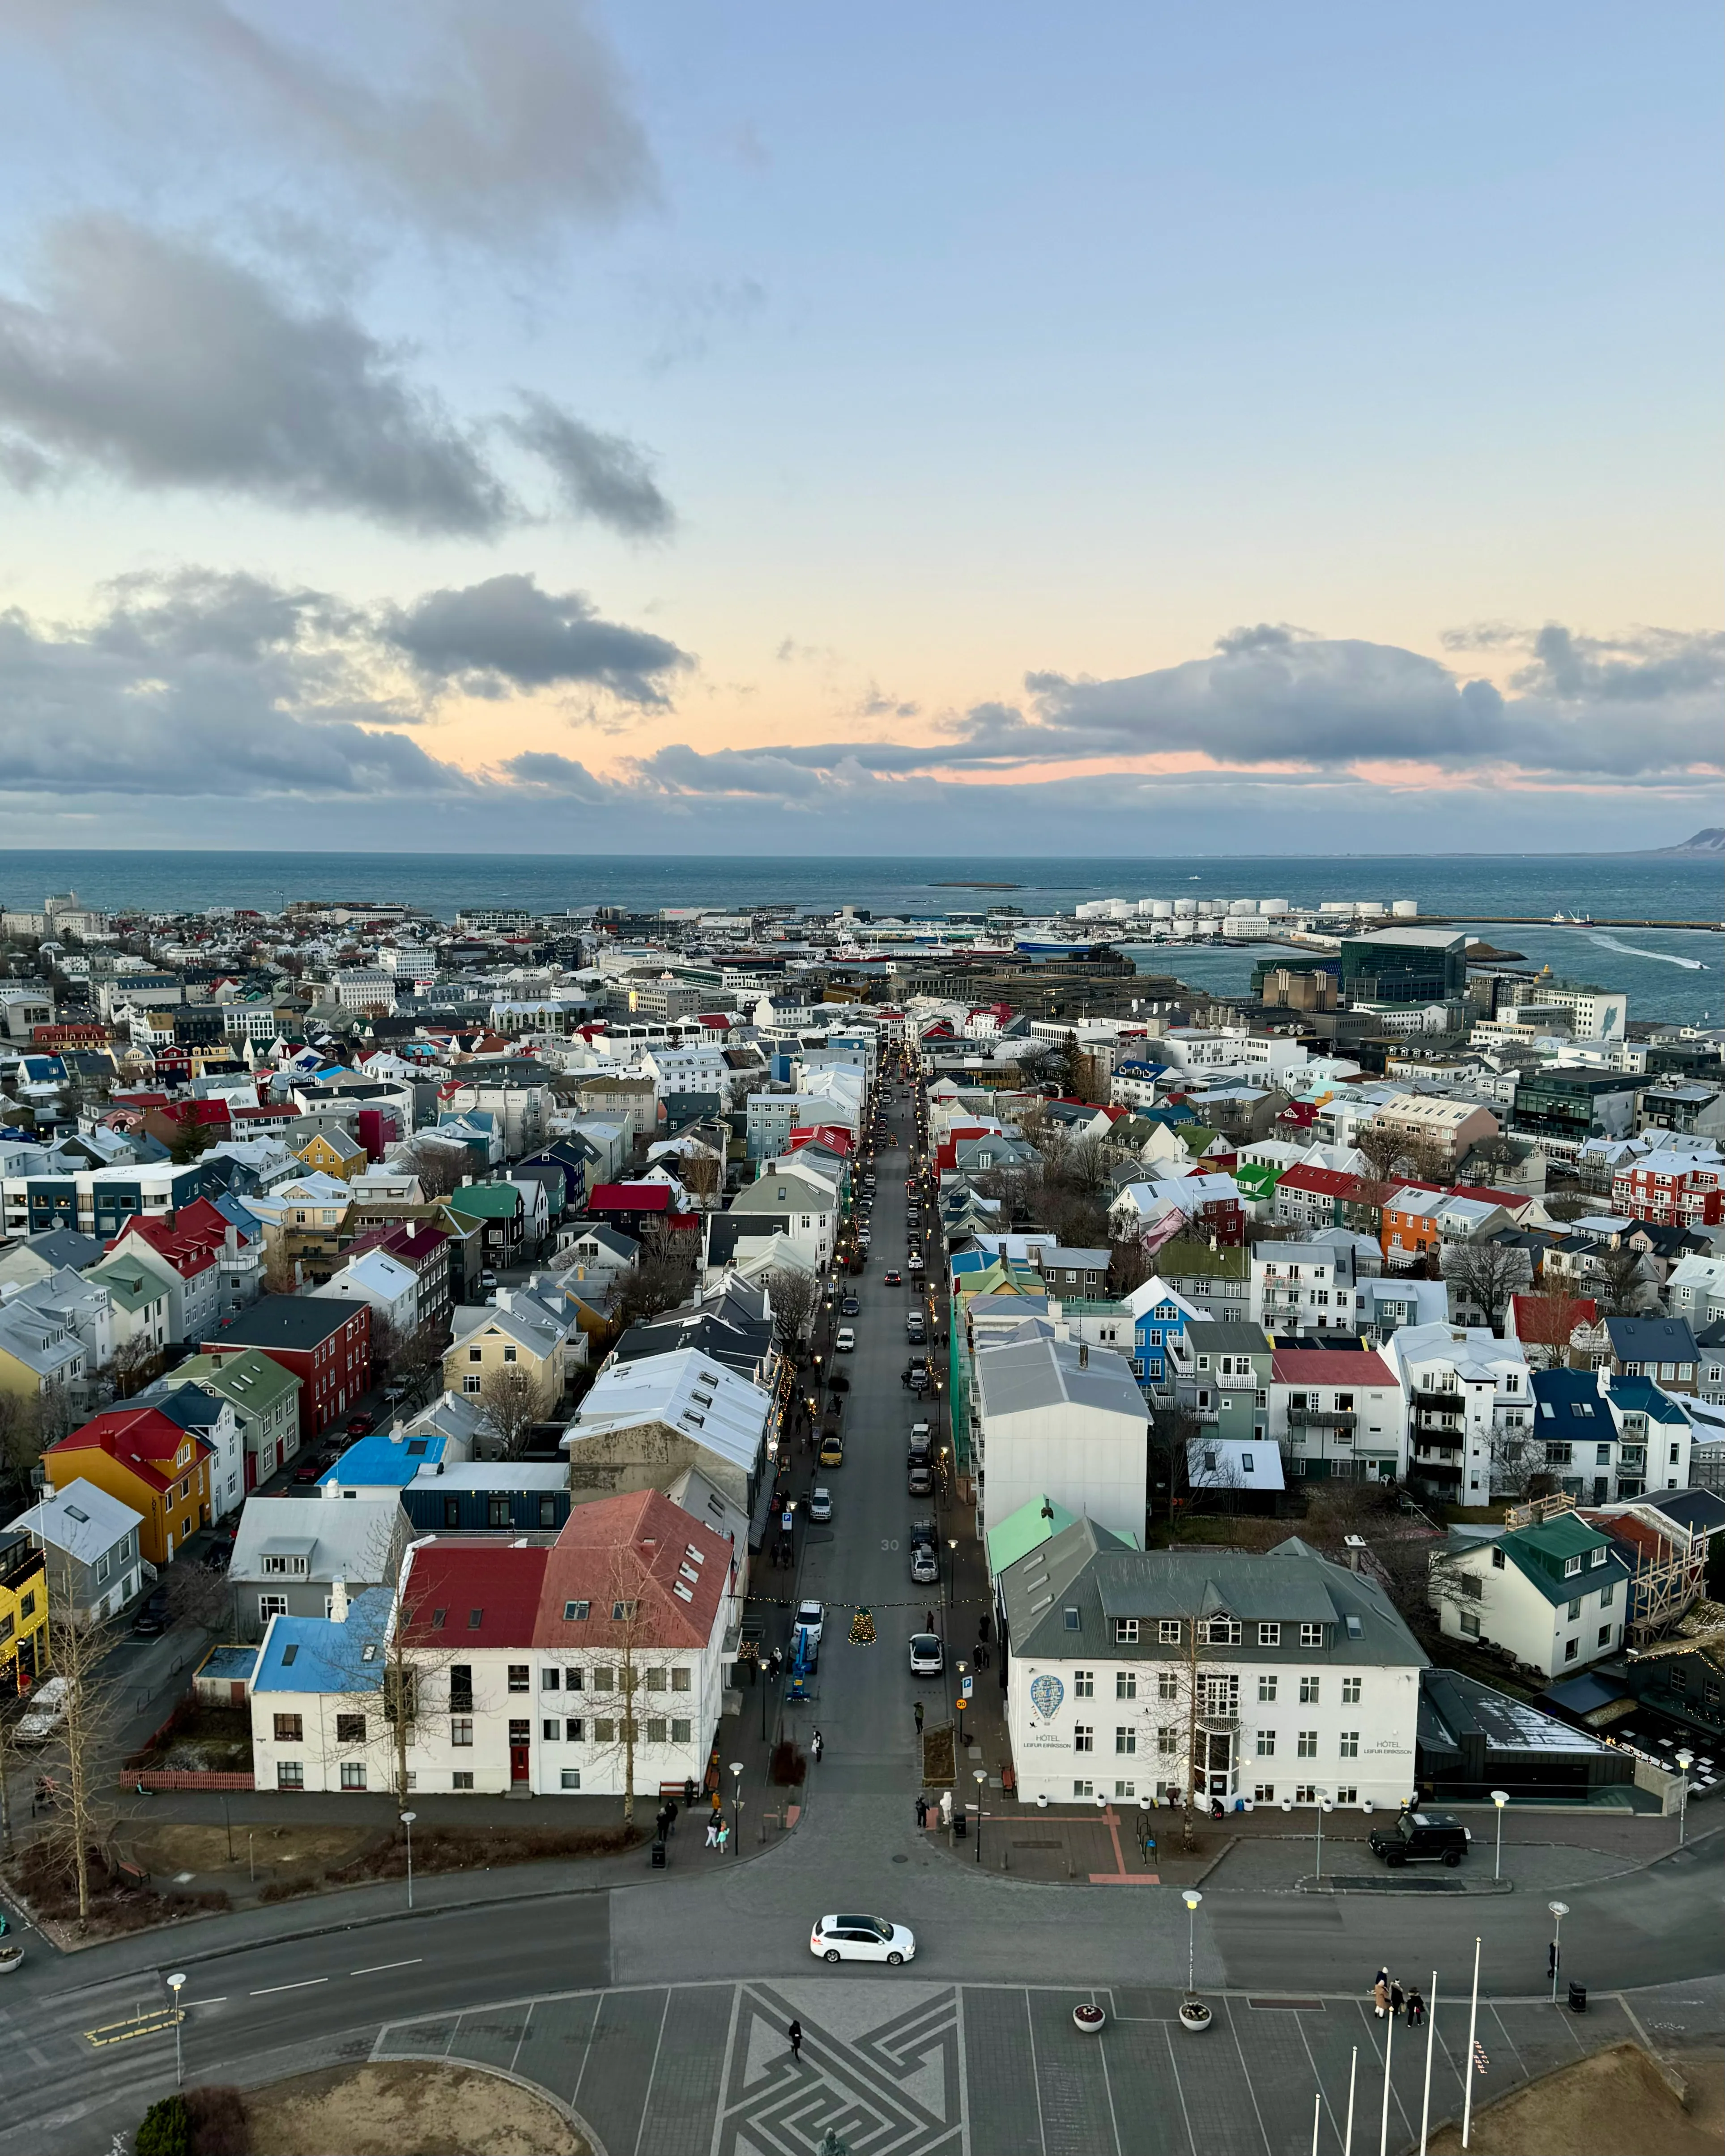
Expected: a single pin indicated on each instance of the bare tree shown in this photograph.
(620, 1670)
(513, 1400)
(702, 1175)
(1621, 1282)
(1484, 1276)
(1130, 1265)
(21, 1438)
(438, 1167)
(77, 1647)
(1428, 1158)
(1383, 1147)
(411, 1358)
(280, 1271)
(660, 1281)
(795, 1297)
(1545, 1324)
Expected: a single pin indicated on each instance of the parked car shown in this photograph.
(488, 1278)
(846, 1341)
(42, 1716)
(811, 1617)
(862, 1939)
(1421, 1838)
(914, 1262)
(832, 1449)
(820, 1502)
(919, 1480)
(149, 1624)
(925, 1560)
(361, 1424)
(308, 1472)
(928, 1657)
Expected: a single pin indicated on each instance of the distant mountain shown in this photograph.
(1710, 841)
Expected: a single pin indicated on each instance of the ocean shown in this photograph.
(1667, 974)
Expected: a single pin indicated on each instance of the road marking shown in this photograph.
(377, 1968)
(304, 1984)
(157, 2022)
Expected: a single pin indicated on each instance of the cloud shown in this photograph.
(496, 125)
(506, 632)
(603, 476)
(560, 775)
(168, 365)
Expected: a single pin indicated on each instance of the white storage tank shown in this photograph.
(1371, 906)
(1184, 908)
(1211, 908)
(1274, 906)
(1345, 905)
(1406, 909)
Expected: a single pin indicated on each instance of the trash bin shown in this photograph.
(659, 1861)
(958, 1826)
(1578, 1999)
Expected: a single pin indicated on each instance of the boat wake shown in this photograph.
(1635, 951)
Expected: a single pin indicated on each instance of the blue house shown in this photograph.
(1159, 1316)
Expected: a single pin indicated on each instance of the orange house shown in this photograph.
(138, 1456)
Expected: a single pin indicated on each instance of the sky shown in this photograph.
(797, 430)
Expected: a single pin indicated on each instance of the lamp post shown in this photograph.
(737, 1800)
(1324, 1804)
(1192, 1897)
(1353, 2069)
(1383, 2116)
(406, 1820)
(174, 1982)
(980, 1777)
(1499, 1798)
(1686, 1760)
(1431, 2031)
(1559, 1910)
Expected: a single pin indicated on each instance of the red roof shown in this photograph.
(1486, 1196)
(143, 1438)
(474, 1595)
(189, 1237)
(1321, 1182)
(1329, 1366)
(630, 1198)
(641, 1548)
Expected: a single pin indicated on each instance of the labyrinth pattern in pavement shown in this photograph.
(892, 2089)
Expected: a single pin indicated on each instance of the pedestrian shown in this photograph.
(795, 2033)
(712, 1830)
(1416, 2009)
(1380, 1999)
(724, 1835)
(928, 1620)
(921, 1810)
(818, 1745)
(980, 1655)
(917, 1711)
(688, 1792)
(985, 1623)
(1398, 1999)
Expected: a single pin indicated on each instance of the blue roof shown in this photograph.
(190, 1406)
(1566, 1396)
(1138, 1070)
(316, 1653)
(381, 1461)
(1641, 1396)
(232, 1664)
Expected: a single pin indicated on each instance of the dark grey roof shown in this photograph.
(283, 1321)
(1226, 1335)
(1651, 1339)
(1046, 1373)
(1699, 1511)
(65, 1246)
(1453, 1706)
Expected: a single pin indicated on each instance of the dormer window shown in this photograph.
(1572, 1565)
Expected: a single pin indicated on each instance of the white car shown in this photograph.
(811, 1617)
(862, 1939)
(846, 1340)
(820, 1504)
(928, 1657)
(914, 1262)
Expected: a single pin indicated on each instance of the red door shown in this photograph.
(517, 1762)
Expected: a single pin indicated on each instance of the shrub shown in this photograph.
(218, 2122)
(166, 2129)
(284, 1890)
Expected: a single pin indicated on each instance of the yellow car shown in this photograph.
(832, 1449)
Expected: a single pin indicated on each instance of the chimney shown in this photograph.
(1354, 1545)
(338, 1601)
(1083, 1355)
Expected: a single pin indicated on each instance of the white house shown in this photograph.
(1336, 1412)
(798, 1202)
(1303, 1287)
(390, 1287)
(1555, 1594)
(1064, 1420)
(1470, 1402)
(1275, 1679)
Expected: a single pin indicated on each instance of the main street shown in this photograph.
(957, 2038)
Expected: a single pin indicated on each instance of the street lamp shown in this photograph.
(1686, 1760)
(1192, 1897)
(737, 1801)
(1324, 1804)
(406, 1820)
(1499, 1798)
(1559, 1910)
(174, 1982)
(980, 1777)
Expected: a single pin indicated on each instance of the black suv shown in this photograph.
(1421, 1838)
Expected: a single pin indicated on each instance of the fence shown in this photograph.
(165, 1778)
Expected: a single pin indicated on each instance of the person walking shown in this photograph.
(917, 1711)
(1397, 1999)
(712, 1830)
(795, 2033)
(1380, 1998)
(1416, 2009)
(817, 1744)
(724, 1835)
(928, 1620)
(921, 1811)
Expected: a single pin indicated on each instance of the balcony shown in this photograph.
(1322, 1418)
(1433, 1396)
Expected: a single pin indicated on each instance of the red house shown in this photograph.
(327, 1344)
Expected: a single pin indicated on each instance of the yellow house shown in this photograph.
(138, 1456)
(24, 1612)
(335, 1153)
(489, 1339)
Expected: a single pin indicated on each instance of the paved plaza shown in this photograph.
(986, 2070)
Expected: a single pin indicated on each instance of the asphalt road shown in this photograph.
(272, 1989)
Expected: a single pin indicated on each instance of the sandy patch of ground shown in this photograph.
(169, 1848)
(1613, 2104)
(402, 2107)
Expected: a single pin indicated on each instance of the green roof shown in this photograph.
(1260, 1175)
(486, 1201)
(1028, 1528)
(253, 1381)
(1197, 1138)
(133, 1286)
(1184, 1256)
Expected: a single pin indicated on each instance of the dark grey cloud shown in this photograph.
(604, 476)
(487, 123)
(506, 632)
(560, 775)
(169, 365)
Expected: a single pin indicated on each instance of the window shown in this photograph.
(1469, 1624)
(290, 1775)
(682, 1731)
(1266, 1691)
(462, 1779)
(550, 1728)
(1306, 1744)
(1084, 1684)
(461, 1731)
(353, 1773)
(1350, 1745)
(1069, 1617)
(1222, 1631)
(1168, 1742)
(476, 1619)
(550, 1680)
(1125, 1631)
(570, 1779)
(1350, 1692)
(1167, 1684)
(681, 1680)
(604, 1732)
(1311, 1635)
(573, 1728)
(472, 1382)
(497, 1512)
(509, 1354)
(290, 1729)
(1572, 1565)
(1126, 1788)
(1270, 1636)
(1575, 1609)
(604, 1678)
(655, 1680)
(623, 1612)
(461, 1688)
(656, 1731)
(1168, 1632)
(1266, 1743)
(1263, 1793)
(1305, 1793)
(1605, 1635)
(1608, 1595)
(1309, 1689)
(1125, 1684)
(1570, 1648)
(271, 1605)
(1126, 1739)
(575, 1613)
(1498, 1557)
(1083, 1789)
(350, 1729)
(1084, 1737)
